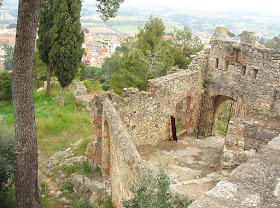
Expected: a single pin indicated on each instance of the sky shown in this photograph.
(265, 6)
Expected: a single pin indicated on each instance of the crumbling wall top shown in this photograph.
(248, 37)
(277, 44)
(221, 33)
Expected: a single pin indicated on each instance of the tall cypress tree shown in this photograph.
(46, 21)
(66, 40)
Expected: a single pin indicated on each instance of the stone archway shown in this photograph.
(208, 113)
(218, 101)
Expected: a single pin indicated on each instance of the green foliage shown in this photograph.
(57, 127)
(65, 186)
(152, 190)
(179, 124)
(75, 168)
(222, 118)
(185, 45)
(151, 34)
(5, 86)
(66, 40)
(46, 22)
(91, 72)
(110, 66)
(7, 166)
(8, 64)
(81, 203)
(39, 71)
(149, 55)
(231, 34)
(93, 86)
(9, 50)
(270, 43)
(108, 8)
(8, 198)
(80, 150)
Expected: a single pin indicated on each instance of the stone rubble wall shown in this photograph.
(241, 71)
(231, 69)
(257, 135)
(146, 115)
(125, 160)
(233, 152)
(243, 139)
(252, 184)
(80, 94)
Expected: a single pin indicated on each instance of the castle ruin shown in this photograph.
(243, 73)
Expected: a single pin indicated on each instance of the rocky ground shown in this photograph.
(63, 177)
(193, 164)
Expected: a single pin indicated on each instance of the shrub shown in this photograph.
(92, 86)
(152, 190)
(7, 167)
(91, 73)
(5, 86)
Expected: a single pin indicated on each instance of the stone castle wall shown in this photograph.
(146, 115)
(247, 73)
(120, 158)
(242, 72)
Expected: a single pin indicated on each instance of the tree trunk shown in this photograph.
(49, 73)
(27, 195)
(62, 96)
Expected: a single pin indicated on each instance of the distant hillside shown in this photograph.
(265, 25)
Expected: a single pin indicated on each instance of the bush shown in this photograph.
(7, 167)
(91, 72)
(5, 86)
(92, 86)
(152, 190)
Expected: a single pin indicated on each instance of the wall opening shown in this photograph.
(106, 162)
(217, 63)
(243, 70)
(226, 65)
(225, 109)
(182, 115)
(237, 54)
(254, 73)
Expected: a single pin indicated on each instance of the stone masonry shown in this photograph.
(244, 73)
(253, 184)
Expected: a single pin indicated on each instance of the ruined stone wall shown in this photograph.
(257, 134)
(247, 73)
(146, 115)
(252, 184)
(124, 159)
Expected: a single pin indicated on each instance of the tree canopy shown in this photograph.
(270, 43)
(108, 8)
(150, 54)
(46, 21)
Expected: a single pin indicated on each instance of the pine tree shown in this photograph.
(66, 40)
(27, 193)
(46, 21)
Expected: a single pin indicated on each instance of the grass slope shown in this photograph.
(57, 127)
